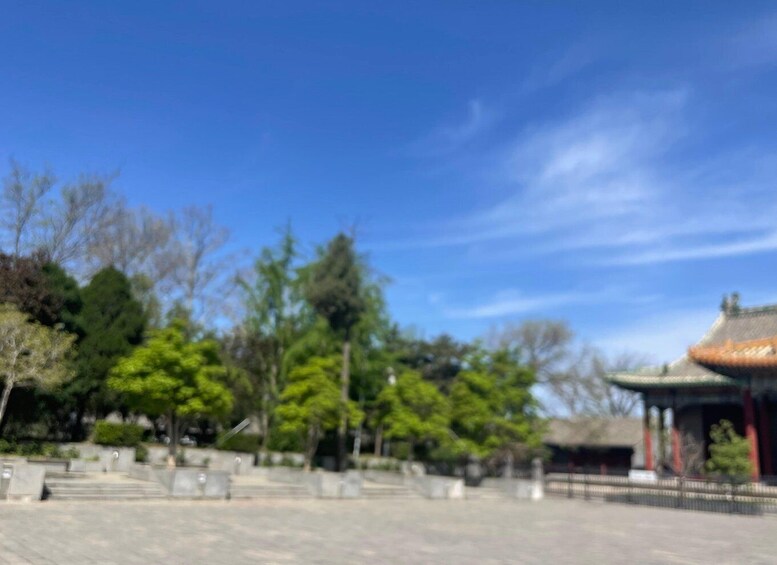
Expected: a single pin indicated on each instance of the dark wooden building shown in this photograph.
(600, 445)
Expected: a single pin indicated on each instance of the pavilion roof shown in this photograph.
(755, 357)
(755, 329)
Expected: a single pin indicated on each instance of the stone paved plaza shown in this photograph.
(391, 531)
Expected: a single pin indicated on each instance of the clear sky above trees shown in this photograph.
(458, 139)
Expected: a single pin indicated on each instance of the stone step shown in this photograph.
(65, 474)
(95, 496)
(268, 491)
(398, 492)
(117, 488)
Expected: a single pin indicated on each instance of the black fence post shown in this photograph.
(680, 492)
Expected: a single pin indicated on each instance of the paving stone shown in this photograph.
(376, 531)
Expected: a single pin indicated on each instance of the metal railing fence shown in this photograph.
(707, 495)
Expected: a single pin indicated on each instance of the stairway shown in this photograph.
(81, 486)
(383, 491)
(244, 487)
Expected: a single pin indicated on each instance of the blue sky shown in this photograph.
(611, 165)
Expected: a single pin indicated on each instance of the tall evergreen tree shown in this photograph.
(335, 292)
(113, 323)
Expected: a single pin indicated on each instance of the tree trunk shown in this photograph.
(4, 400)
(172, 434)
(310, 448)
(379, 441)
(342, 430)
(264, 422)
(79, 433)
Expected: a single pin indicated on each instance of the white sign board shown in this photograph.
(639, 476)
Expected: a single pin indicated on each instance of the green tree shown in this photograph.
(173, 377)
(311, 404)
(334, 290)
(414, 410)
(30, 354)
(112, 322)
(729, 453)
(492, 408)
(274, 320)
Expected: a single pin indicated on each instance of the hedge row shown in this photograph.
(117, 434)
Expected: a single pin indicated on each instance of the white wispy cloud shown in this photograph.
(511, 302)
(449, 138)
(610, 181)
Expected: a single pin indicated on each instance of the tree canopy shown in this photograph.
(311, 404)
(30, 354)
(414, 410)
(173, 377)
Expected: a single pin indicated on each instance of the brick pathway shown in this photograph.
(376, 531)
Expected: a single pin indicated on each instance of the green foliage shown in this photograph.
(413, 410)
(245, 442)
(311, 405)
(335, 286)
(492, 407)
(64, 300)
(37, 449)
(141, 453)
(113, 323)
(438, 360)
(174, 377)
(729, 453)
(275, 318)
(117, 434)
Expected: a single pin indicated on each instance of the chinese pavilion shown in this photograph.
(730, 374)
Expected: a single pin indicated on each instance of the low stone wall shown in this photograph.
(100, 458)
(277, 458)
(436, 487)
(182, 482)
(322, 484)
(233, 462)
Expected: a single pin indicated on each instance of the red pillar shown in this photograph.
(750, 432)
(765, 433)
(648, 440)
(677, 457)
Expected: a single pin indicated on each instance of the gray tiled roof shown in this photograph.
(742, 325)
(594, 432)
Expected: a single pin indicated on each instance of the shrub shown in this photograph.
(38, 449)
(729, 453)
(141, 453)
(248, 443)
(117, 434)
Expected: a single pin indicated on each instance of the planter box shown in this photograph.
(81, 466)
(23, 482)
(193, 483)
(335, 485)
(57, 465)
(439, 487)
